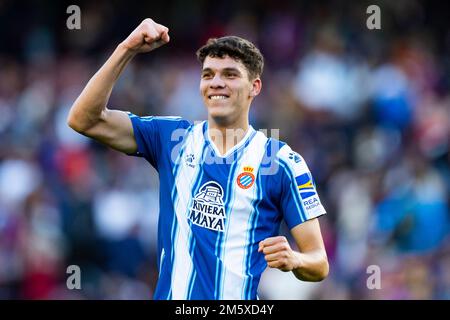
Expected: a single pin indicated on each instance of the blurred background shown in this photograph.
(369, 110)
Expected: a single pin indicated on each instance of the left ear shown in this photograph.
(256, 87)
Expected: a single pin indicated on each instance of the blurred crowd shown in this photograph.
(369, 110)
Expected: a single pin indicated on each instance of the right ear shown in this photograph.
(256, 87)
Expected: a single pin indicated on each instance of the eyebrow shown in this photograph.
(223, 70)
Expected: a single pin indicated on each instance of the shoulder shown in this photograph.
(159, 124)
(286, 160)
(287, 155)
(174, 121)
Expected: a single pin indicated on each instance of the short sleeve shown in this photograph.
(154, 135)
(299, 200)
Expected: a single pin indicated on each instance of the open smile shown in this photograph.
(218, 97)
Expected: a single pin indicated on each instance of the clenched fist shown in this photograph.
(278, 253)
(148, 36)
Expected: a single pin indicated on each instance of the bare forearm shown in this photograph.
(87, 109)
(311, 266)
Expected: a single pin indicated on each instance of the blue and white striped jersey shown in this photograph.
(214, 210)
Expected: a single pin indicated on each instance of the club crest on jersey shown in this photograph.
(246, 179)
(207, 209)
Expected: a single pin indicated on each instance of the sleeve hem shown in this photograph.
(313, 216)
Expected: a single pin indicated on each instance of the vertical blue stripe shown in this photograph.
(192, 243)
(192, 240)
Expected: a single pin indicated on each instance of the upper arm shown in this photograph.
(308, 236)
(115, 130)
(299, 200)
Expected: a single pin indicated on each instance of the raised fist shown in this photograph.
(148, 36)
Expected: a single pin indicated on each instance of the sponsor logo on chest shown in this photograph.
(207, 209)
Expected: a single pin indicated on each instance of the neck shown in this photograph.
(226, 135)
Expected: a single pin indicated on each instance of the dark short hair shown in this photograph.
(236, 48)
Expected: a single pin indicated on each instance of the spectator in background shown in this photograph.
(386, 136)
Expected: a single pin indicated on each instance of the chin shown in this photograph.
(219, 111)
(220, 117)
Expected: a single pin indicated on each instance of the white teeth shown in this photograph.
(217, 97)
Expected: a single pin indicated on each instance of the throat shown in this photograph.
(225, 139)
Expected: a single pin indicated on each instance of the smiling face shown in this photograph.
(227, 90)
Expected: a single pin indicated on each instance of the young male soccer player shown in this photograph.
(223, 190)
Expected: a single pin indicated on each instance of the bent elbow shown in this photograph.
(325, 270)
(77, 122)
(71, 122)
(320, 272)
(74, 124)
(314, 273)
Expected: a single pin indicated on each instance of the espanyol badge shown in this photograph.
(246, 179)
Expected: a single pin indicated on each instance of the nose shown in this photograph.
(217, 82)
